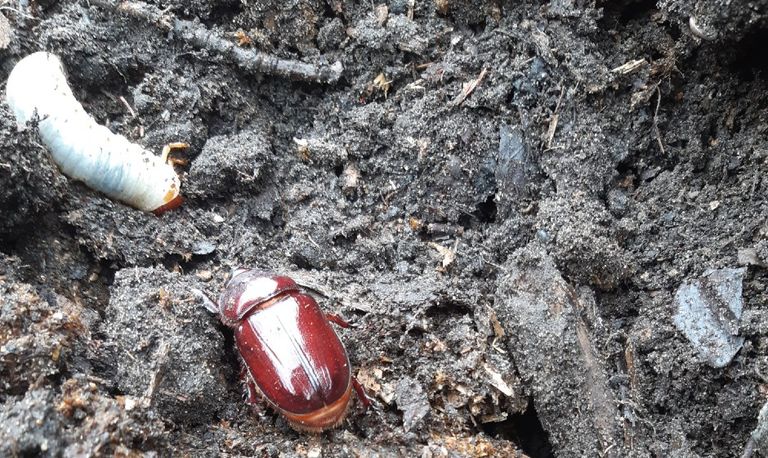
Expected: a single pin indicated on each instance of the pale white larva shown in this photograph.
(37, 89)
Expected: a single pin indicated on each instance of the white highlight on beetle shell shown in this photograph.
(83, 149)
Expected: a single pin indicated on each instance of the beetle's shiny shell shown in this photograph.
(289, 349)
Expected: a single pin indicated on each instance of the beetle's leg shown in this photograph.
(361, 393)
(167, 149)
(250, 392)
(332, 317)
(208, 303)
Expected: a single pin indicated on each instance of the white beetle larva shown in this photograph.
(84, 150)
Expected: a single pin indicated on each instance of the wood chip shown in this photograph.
(498, 381)
(449, 254)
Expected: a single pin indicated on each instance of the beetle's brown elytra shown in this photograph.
(290, 352)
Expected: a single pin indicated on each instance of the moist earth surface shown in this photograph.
(545, 221)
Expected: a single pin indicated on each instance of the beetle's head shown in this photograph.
(235, 272)
(247, 290)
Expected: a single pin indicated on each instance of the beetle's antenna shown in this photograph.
(208, 303)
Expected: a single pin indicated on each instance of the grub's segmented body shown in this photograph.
(83, 149)
(289, 349)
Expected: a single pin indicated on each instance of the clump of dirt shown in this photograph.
(171, 356)
(31, 184)
(502, 197)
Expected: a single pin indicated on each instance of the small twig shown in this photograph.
(309, 237)
(17, 11)
(553, 121)
(248, 60)
(493, 265)
(157, 376)
(99, 380)
(655, 120)
(468, 88)
(128, 106)
(629, 67)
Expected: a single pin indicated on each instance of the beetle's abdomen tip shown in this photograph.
(170, 205)
(327, 417)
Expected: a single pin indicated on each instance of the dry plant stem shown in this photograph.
(468, 88)
(248, 60)
(600, 397)
(655, 121)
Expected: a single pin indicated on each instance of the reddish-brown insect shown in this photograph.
(290, 352)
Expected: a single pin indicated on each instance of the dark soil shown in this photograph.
(503, 197)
